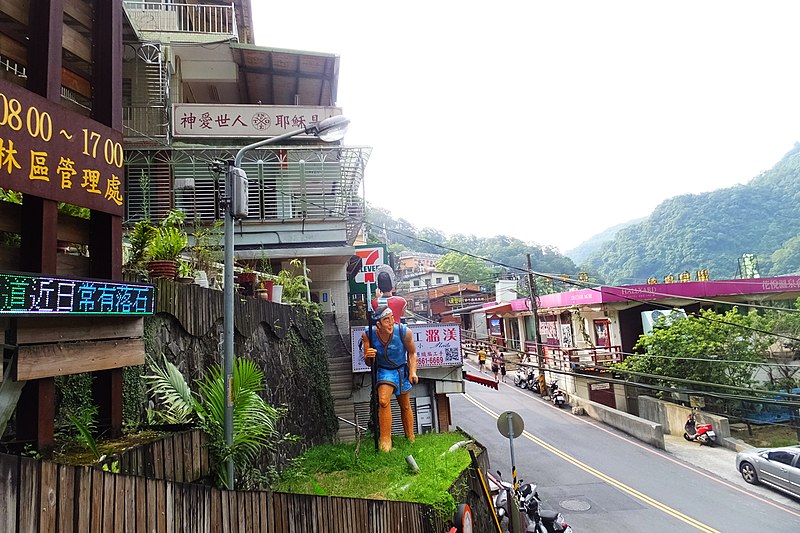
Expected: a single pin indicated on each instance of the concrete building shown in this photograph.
(586, 329)
(196, 90)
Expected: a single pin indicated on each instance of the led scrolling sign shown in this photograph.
(49, 151)
(22, 294)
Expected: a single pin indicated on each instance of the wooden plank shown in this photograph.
(196, 472)
(268, 510)
(83, 499)
(225, 514)
(14, 50)
(205, 468)
(161, 505)
(77, 44)
(233, 512)
(252, 517)
(141, 503)
(99, 519)
(44, 329)
(66, 497)
(169, 508)
(188, 507)
(158, 459)
(177, 514)
(37, 362)
(322, 502)
(169, 467)
(72, 266)
(262, 512)
(118, 502)
(48, 496)
(241, 511)
(9, 491)
(177, 457)
(188, 461)
(129, 525)
(29, 483)
(151, 504)
(80, 11)
(215, 511)
(281, 500)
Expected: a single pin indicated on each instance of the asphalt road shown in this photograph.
(604, 480)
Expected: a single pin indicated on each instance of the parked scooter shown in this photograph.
(535, 520)
(557, 396)
(524, 377)
(702, 433)
(501, 493)
(533, 384)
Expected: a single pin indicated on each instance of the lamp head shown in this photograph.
(330, 129)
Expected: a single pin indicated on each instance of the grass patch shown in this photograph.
(347, 471)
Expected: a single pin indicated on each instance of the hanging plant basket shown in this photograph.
(162, 269)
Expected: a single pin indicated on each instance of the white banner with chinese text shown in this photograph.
(437, 345)
(207, 120)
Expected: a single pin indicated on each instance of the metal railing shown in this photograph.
(285, 183)
(146, 121)
(168, 16)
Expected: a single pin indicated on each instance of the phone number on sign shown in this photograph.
(449, 357)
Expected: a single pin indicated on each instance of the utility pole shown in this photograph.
(536, 336)
(428, 298)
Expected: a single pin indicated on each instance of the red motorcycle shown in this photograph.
(702, 433)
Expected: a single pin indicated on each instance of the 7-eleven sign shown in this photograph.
(371, 258)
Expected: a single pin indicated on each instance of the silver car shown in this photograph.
(776, 467)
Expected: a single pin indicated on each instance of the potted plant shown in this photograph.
(139, 238)
(206, 251)
(185, 272)
(289, 286)
(265, 288)
(165, 249)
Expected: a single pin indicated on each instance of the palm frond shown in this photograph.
(169, 387)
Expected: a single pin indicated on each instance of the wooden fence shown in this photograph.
(177, 457)
(40, 496)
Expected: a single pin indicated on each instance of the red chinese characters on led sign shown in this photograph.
(52, 152)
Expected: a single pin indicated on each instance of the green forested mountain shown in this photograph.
(501, 250)
(588, 247)
(712, 230)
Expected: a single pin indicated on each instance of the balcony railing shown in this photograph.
(285, 183)
(582, 359)
(167, 16)
(149, 122)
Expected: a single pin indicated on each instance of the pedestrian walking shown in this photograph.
(481, 359)
(495, 365)
(502, 367)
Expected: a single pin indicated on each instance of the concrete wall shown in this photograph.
(673, 417)
(644, 430)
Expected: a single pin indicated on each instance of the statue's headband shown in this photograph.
(386, 312)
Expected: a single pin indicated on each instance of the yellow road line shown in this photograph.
(608, 479)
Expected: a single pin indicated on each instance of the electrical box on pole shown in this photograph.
(237, 178)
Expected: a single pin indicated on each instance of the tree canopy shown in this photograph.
(508, 254)
(707, 347)
(469, 269)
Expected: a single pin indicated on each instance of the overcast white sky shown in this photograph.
(551, 121)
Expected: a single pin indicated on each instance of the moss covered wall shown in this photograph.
(287, 343)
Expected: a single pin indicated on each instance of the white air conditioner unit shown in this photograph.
(651, 318)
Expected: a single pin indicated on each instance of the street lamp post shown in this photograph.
(329, 130)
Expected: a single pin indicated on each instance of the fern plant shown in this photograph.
(254, 420)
